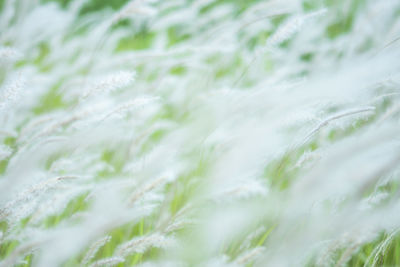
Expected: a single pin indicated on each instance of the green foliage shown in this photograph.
(234, 69)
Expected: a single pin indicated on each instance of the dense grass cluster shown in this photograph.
(199, 133)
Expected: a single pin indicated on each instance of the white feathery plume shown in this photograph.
(9, 53)
(141, 244)
(110, 83)
(292, 26)
(94, 248)
(108, 262)
(11, 92)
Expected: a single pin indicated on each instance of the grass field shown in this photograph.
(199, 133)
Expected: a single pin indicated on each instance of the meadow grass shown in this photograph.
(199, 133)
